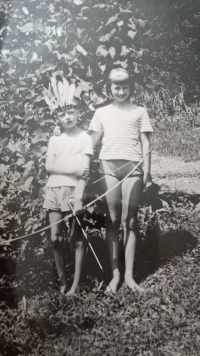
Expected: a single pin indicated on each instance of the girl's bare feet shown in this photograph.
(132, 284)
(72, 291)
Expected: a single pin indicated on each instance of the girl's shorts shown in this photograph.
(119, 168)
(57, 198)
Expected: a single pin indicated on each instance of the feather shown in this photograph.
(48, 101)
(61, 93)
(54, 88)
(66, 89)
(77, 92)
(71, 92)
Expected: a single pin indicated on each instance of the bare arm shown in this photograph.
(95, 137)
(80, 188)
(147, 157)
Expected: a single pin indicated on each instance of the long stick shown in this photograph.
(85, 235)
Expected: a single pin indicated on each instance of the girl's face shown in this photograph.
(120, 92)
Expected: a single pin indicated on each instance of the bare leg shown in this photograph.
(131, 193)
(79, 256)
(113, 201)
(58, 247)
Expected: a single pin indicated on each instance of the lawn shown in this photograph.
(161, 321)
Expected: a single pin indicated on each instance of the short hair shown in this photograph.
(120, 76)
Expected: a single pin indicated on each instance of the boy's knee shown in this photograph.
(114, 221)
(55, 238)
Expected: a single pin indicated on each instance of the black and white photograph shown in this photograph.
(99, 177)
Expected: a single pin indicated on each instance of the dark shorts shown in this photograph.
(119, 168)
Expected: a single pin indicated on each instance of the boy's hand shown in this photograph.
(78, 206)
(56, 131)
(147, 181)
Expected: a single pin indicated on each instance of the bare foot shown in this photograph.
(63, 290)
(72, 291)
(133, 285)
(112, 287)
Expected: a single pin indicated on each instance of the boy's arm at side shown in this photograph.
(147, 158)
(80, 188)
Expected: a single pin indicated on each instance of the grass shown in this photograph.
(177, 138)
(162, 321)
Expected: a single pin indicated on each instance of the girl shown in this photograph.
(124, 129)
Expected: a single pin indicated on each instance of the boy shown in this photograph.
(67, 162)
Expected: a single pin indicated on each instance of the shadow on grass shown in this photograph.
(161, 248)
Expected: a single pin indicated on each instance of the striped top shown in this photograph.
(121, 130)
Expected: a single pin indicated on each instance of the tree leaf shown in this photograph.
(107, 37)
(25, 10)
(27, 28)
(111, 19)
(18, 53)
(112, 52)
(132, 34)
(102, 51)
(46, 67)
(120, 23)
(78, 2)
(51, 8)
(39, 138)
(81, 50)
(28, 116)
(124, 51)
(28, 182)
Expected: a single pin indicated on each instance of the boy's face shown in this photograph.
(68, 118)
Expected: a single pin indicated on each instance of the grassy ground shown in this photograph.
(177, 138)
(164, 321)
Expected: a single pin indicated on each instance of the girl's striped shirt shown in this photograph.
(121, 129)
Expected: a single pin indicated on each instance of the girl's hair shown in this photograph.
(119, 76)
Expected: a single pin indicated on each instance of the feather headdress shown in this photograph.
(62, 94)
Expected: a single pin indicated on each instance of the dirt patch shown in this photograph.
(173, 174)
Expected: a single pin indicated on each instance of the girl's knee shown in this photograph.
(129, 224)
(55, 238)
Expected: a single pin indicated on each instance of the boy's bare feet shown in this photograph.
(72, 291)
(132, 284)
(112, 287)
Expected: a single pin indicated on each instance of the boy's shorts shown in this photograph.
(57, 198)
(115, 168)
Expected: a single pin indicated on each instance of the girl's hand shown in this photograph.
(83, 173)
(56, 131)
(147, 181)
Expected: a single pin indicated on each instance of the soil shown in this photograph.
(174, 174)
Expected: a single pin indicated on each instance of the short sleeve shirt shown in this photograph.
(66, 147)
(121, 130)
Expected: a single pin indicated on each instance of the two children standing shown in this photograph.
(124, 129)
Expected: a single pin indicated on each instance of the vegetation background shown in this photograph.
(159, 43)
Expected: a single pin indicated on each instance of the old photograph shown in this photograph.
(99, 177)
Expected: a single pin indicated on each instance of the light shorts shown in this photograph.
(115, 168)
(56, 198)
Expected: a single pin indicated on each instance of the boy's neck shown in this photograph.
(72, 131)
